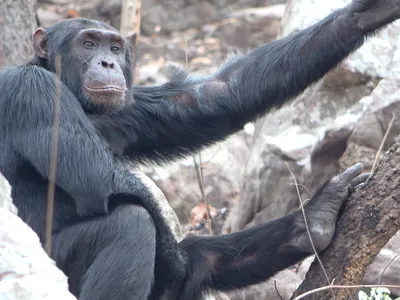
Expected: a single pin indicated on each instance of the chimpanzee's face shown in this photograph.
(95, 61)
(99, 57)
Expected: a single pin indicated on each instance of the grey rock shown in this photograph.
(5, 195)
(26, 271)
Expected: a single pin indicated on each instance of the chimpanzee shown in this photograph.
(108, 234)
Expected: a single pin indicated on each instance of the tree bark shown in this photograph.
(130, 27)
(369, 219)
(17, 23)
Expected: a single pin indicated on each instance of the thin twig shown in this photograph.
(308, 192)
(378, 154)
(187, 205)
(276, 289)
(348, 293)
(202, 167)
(53, 159)
(197, 167)
(308, 229)
(137, 36)
(203, 193)
(304, 203)
(387, 266)
(304, 187)
(347, 290)
(324, 288)
(215, 153)
(186, 53)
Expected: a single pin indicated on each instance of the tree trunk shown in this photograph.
(369, 219)
(130, 27)
(17, 23)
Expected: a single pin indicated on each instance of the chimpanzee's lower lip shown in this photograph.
(105, 88)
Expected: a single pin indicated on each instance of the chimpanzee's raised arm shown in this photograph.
(27, 118)
(188, 113)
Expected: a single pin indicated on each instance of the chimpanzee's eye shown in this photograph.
(89, 44)
(115, 49)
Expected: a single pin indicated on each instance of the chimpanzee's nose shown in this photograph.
(107, 64)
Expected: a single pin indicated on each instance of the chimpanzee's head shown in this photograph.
(95, 61)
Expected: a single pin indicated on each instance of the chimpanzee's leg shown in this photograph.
(110, 257)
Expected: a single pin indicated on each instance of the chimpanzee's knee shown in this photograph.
(109, 255)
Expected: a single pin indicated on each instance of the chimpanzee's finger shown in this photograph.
(351, 173)
(350, 190)
(360, 179)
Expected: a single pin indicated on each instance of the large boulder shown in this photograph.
(26, 272)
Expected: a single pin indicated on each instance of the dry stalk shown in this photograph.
(387, 266)
(202, 167)
(199, 167)
(184, 202)
(276, 289)
(203, 194)
(53, 159)
(378, 154)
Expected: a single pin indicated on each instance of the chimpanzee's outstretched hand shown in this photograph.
(322, 211)
(373, 14)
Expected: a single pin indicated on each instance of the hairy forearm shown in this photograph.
(243, 258)
(277, 72)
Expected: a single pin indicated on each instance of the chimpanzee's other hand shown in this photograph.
(322, 211)
(373, 14)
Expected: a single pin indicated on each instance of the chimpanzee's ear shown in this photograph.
(40, 43)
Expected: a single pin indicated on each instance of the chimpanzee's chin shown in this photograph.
(103, 100)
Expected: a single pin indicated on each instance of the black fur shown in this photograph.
(105, 242)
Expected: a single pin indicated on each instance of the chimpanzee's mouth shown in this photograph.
(108, 88)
